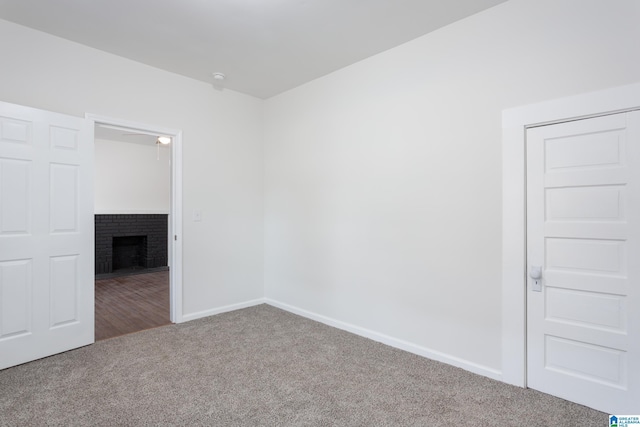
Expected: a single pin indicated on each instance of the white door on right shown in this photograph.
(583, 260)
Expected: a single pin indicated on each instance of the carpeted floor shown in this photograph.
(262, 366)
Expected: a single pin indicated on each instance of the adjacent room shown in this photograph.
(377, 213)
(132, 203)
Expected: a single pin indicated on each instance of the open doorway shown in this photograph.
(137, 194)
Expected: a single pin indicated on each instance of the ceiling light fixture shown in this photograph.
(162, 140)
(219, 77)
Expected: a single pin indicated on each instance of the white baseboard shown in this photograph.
(391, 341)
(224, 309)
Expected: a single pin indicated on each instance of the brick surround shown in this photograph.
(151, 228)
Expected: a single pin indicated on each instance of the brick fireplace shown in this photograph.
(130, 242)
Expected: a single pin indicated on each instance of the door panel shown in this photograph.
(583, 229)
(46, 234)
(15, 279)
(15, 182)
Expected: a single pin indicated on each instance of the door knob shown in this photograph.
(536, 274)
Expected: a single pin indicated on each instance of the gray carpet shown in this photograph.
(262, 366)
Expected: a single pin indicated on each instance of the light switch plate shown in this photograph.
(197, 216)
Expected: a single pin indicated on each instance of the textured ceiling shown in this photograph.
(264, 47)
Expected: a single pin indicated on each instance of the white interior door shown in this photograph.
(583, 231)
(46, 234)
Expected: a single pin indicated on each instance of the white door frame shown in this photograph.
(175, 225)
(515, 122)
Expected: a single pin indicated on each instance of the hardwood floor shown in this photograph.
(132, 303)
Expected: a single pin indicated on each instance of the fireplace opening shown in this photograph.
(129, 253)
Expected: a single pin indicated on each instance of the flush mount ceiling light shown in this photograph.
(162, 140)
(219, 77)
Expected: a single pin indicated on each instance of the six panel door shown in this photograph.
(46, 234)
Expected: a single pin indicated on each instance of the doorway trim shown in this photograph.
(515, 122)
(175, 224)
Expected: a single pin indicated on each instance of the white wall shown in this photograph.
(131, 178)
(222, 149)
(382, 186)
(382, 180)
